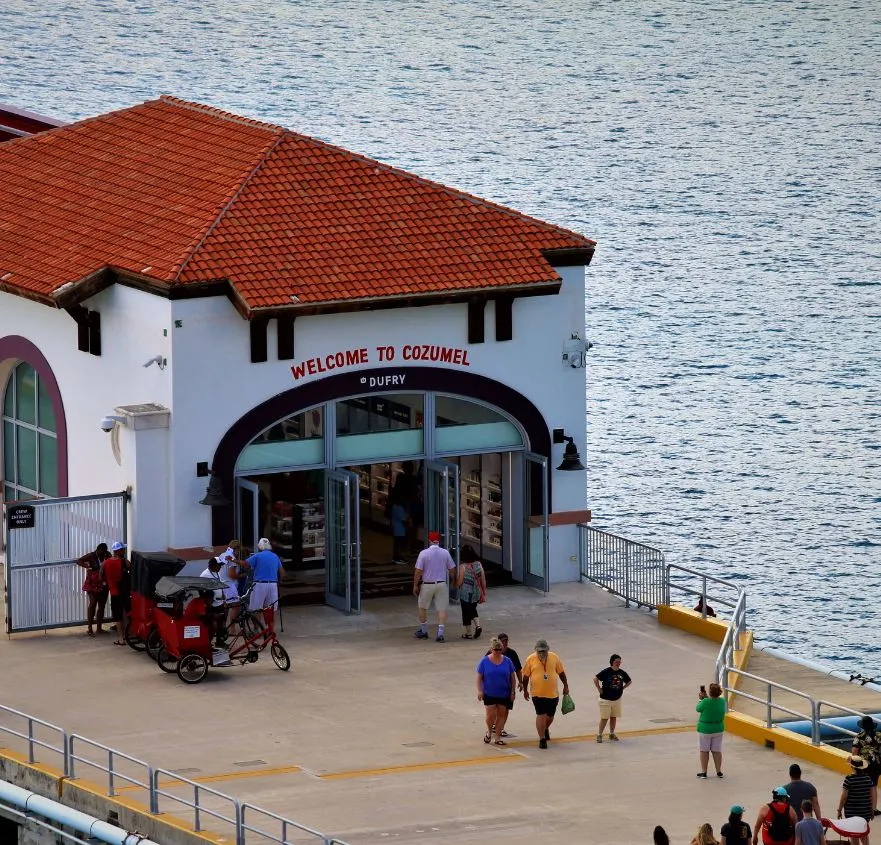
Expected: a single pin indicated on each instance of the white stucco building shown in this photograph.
(318, 325)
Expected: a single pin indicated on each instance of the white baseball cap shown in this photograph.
(117, 546)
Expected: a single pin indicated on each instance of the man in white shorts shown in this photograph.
(267, 569)
(430, 585)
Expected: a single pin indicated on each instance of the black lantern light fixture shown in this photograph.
(571, 459)
(214, 495)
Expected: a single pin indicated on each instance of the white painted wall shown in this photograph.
(210, 383)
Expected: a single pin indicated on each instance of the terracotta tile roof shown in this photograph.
(179, 193)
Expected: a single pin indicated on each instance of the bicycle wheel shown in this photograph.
(154, 643)
(192, 668)
(133, 642)
(167, 662)
(280, 656)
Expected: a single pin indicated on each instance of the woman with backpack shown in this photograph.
(471, 582)
(776, 820)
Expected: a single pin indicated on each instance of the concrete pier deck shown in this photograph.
(375, 736)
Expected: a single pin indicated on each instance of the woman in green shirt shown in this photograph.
(710, 727)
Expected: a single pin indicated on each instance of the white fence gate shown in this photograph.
(44, 537)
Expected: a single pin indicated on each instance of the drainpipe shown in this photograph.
(819, 667)
(80, 822)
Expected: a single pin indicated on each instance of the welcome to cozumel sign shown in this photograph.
(382, 354)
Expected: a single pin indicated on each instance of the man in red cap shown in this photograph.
(430, 584)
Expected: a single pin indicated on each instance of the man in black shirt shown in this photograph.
(611, 683)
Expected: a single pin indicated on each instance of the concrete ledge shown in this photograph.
(89, 798)
(786, 742)
(692, 622)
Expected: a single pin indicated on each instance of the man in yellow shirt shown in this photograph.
(540, 672)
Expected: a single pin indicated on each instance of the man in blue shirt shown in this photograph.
(267, 569)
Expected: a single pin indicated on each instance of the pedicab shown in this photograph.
(147, 570)
(182, 615)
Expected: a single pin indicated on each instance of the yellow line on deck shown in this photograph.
(421, 767)
(252, 773)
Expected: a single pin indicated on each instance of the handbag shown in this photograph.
(481, 587)
(567, 705)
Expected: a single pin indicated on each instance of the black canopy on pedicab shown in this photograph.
(148, 568)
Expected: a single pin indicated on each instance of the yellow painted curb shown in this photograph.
(786, 742)
(692, 622)
(63, 784)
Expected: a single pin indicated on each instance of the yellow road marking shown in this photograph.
(672, 729)
(419, 767)
(251, 773)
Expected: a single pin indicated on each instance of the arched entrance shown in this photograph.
(333, 469)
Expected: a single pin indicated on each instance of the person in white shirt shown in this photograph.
(218, 604)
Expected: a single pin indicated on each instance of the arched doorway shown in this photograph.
(330, 473)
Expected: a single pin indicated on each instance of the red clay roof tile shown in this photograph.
(185, 193)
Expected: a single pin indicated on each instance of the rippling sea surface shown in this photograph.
(725, 156)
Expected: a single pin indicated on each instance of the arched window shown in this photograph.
(30, 444)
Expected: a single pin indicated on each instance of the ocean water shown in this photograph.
(725, 157)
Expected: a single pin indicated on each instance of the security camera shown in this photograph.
(109, 423)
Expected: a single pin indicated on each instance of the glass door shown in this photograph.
(535, 521)
(442, 508)
(247, 513)
(342, 574)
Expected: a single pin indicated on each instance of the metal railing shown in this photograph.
(75, 751)
(638, 574)
(634, 571)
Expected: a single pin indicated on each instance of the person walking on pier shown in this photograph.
(496, 687)
(541, 671)
(856, 794)
(776, 820)
(430, 585)
(611, 683)
(710, 728)
(867, 744)
(809, 831)
(800, 791)
(735, 831)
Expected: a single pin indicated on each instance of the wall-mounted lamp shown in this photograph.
(571, 459)
(214, 495)
(575, 351)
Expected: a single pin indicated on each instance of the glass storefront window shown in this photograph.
(297, 440)
(379, 427)
(464, 426)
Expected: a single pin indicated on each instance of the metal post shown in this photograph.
(111, 793)
(627, 577)
(154, 797)
(704, 598)
(196, 807)
(768, 703)
(815, 722)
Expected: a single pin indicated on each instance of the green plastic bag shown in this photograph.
(568, 704)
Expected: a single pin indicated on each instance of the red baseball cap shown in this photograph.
(433, 537)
